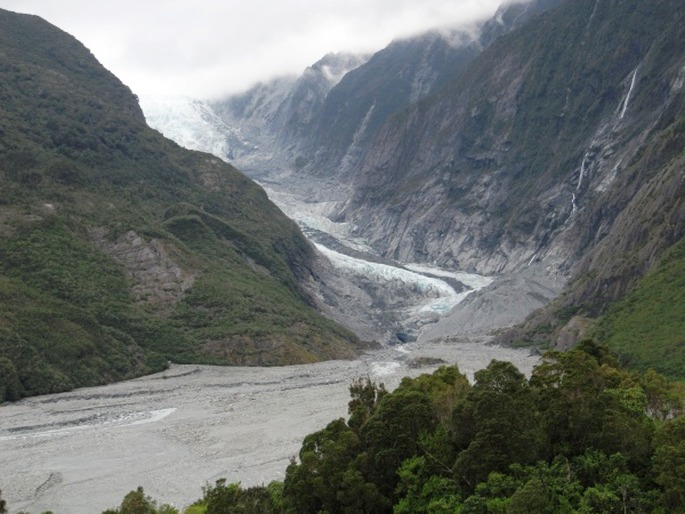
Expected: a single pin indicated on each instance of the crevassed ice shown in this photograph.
(385, 272)
(439, 296)
(190, 123)
(314, 215)
(470, 280)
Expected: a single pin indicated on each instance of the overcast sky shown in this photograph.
(208, 48)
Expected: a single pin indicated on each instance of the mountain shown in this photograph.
(398, 76)
(274, 116)
(121, 251)
(560, 145)
(325, 119)
(552, 142)
(543, 148)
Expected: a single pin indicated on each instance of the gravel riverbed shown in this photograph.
(174, 432)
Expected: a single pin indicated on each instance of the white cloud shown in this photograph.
(206, 48)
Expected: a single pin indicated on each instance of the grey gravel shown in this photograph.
(174, 432)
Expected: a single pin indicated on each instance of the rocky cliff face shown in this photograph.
(322, 123)
(530, 153)
(366, 97)
(273, 117)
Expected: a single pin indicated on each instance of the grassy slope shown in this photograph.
(647, 327)
(76, 158)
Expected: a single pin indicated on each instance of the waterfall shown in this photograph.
(630, 91)
(583, 169)
(594, 11)
(532, 259)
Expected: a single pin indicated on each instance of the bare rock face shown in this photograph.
(157, 277)
(523, 158)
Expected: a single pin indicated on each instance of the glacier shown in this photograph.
(403, 296)
(192, 124)
(431, 294)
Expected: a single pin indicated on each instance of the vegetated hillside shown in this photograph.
(119, 250)
(561, 143)
(647, 326)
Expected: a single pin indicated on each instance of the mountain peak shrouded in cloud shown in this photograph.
(210, 49)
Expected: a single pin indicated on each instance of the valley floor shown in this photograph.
(174, 432)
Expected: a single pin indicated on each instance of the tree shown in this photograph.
(662, 400)
(10, 387)
(500, 413)
(137, 502)
(366, 396)
(669, 463)
(224, 498)
(609, 485)
(392, 435)
(545, 488)
(423, 491)
(569, 386)
(445, 387)
(325, 456)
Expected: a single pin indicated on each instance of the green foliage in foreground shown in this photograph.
(582, 435)
(137, 502)
(647, 328)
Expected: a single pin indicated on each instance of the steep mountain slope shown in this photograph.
(274, 116)
(506, 160)
(561, 143)
(393, 79)
(120, 250)
(322, 123)
(633, 270)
